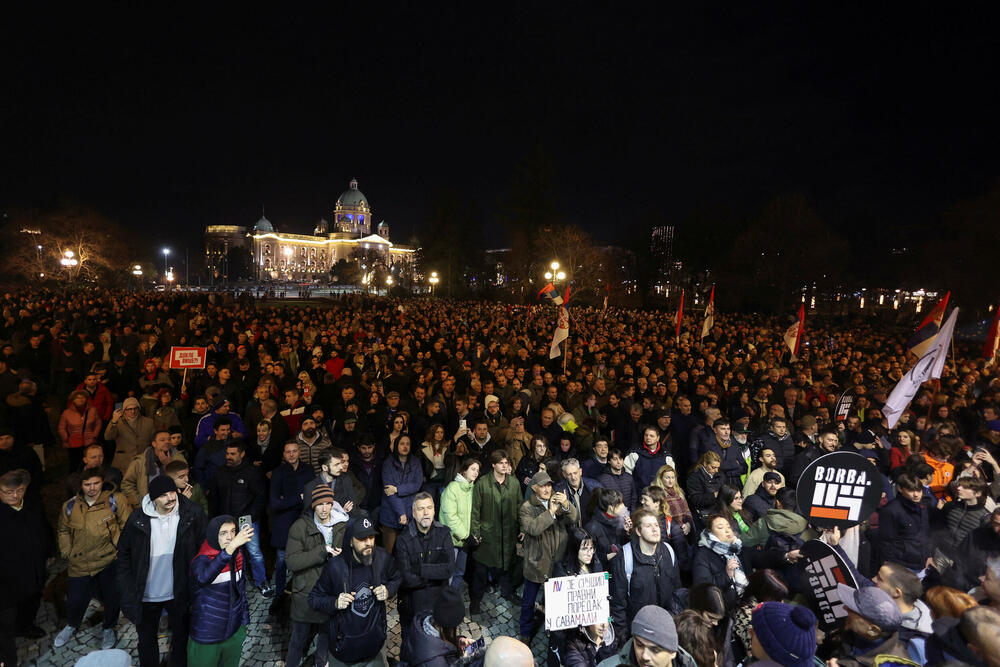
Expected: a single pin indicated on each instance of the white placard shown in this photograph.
(574, 601)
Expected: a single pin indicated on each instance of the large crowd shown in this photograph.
(344, 456)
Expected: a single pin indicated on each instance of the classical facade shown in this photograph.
(309, 257)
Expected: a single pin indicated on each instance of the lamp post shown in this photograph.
(69, 260)
(434, 280)
(554, 274)
(166, 252)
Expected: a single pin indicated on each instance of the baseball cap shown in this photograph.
(873, 604)
(362, 528)
(771, 477)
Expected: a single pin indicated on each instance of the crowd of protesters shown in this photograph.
(337, 459)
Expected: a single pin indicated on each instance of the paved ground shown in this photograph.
(267, 636)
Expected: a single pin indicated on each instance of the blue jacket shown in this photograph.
(904, 533)
(648, 464)
(206, 424)
(734, 465)
(215, 614)
(287, 484)
(407, 479)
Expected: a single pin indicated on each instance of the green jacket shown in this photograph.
(545, 537)
(775, 521)
(305, 556)
(456, 509)
(494, 520)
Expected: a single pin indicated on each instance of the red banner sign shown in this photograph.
(188, 357)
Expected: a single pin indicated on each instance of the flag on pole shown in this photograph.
(928, 367)
(793, 334)
(992, 340)
(709, 322)
(923, 337)
(607, 294)
(561, 333)
(680, 316)
(550, 292)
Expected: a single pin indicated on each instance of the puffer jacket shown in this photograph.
(904, 533)
(217, 611)
(88, 534)
(545, 537)
(407, 478)
(79, 429)
(962, 519)
(644, 464)
(701, 491)
(456, 509)
(944, 471)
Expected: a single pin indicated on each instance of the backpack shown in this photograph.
(630, 562)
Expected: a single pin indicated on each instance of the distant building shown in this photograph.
(286, 256)
(662, 247)
(219, 240)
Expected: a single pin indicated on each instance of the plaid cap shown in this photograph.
(873, 604)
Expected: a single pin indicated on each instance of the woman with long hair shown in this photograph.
(456, 513)
(906, 443)
(539, 455)
(386, 443)
(677, 505)
(729, 503)
(436, 461)
(402, 478)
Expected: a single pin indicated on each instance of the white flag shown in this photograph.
(561, 334)
(930, 366)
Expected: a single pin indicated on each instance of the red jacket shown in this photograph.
(79, 429)
(102, 400)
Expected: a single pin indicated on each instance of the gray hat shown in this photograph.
(873, 604)
(541, 478)
(655, 624)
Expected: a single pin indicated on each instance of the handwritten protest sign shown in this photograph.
(574, 601)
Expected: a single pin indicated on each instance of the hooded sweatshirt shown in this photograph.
(162, 539)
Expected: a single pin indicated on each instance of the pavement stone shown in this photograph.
(267, 636)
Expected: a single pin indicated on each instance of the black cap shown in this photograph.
(362, 528)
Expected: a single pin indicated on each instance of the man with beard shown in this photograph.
(426, 559)
(331, 475)
(766, 462)
(312, 444)
(155, 551)
(212, 454)
(353, 590)
(778, 440)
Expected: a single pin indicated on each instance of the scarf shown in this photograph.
(730, 550)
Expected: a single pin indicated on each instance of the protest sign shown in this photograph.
(188, 357)
(574, 601)
(824, 569)
(839, 489)
(844, 405)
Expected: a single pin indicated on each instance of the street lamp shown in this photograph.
(388, 281)
(166, 252)
(434, 280)
(137, 271)
(555, 274)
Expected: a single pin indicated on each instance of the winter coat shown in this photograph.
(624, 484)
(625, 656)
(370, 477)
(701, 490)
(310, 454)
(970, 558)
(217, 611)
(79, 429)
(783, 448)
(545, 537)
(88, 534)
(305, 556)
(608, 533)
(135, 481)
(131, 438)
(29, 543)
(134, 549)
(944, 471)
(495, 522)
(456, 509)
(206, 427)
(774, 521)
(655, 580)
(644, 464)
(287, 499)
(238, 491)
(709, 567)
(334, 580)
(962, 519)
(734, 463)
(422, 649)
(526, 469)
(426, 564)
(588, 488)
(407, 478)
(904, 533)
(580, 651)
(758, 503)
(343, 491)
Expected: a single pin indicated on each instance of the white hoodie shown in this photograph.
(162, 538)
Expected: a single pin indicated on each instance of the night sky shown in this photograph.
(172, 121)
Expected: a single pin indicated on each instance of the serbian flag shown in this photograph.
(680, 316)
(561, 333)
(992, 340)
(550, 292)
(793, 334)
(923, 337)
(709, 322)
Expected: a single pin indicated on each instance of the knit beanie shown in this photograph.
(449, 608)
(786, 632)
(321, 494)
(160, 485)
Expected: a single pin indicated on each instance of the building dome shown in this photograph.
(263, 225)
(352, 198)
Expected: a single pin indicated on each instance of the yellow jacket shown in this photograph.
(88, 534)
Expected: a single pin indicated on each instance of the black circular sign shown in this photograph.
(839, 489)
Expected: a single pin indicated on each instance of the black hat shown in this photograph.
(771, 476)
(362, 528)
(160, 485)
(449, 608)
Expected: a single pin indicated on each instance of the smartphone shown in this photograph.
(461, 424)
(245, 520)
(475, 647)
